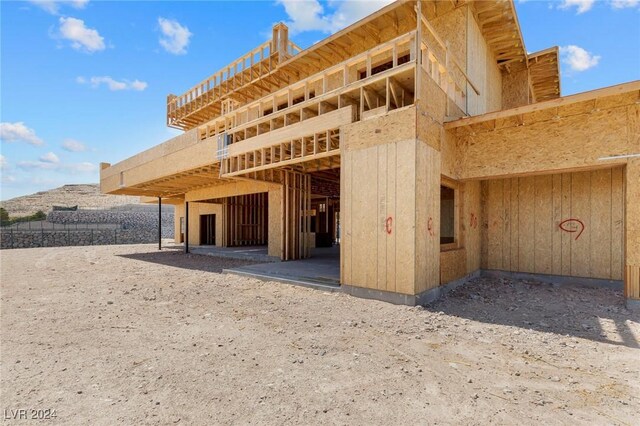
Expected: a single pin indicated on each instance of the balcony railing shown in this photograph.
(182, 110)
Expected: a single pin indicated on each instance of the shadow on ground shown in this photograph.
(588, 313)
(178, 259)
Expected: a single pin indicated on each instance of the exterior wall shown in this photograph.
(184, 152)
(459, 262)
(632, 223)
(523, 218)
(427, 217)
(275, 223)
(437, 267)
(377, 209)
(177, 214)
(482, 69)
(515, 89)
(195, 210)
(571, 136)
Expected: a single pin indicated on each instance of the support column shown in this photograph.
(159, 223)
(632, 235)
(186, 227)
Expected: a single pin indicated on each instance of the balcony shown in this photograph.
(205, 100)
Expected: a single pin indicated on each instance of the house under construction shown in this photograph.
(424, 139)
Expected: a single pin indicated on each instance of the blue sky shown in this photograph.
(86, 81)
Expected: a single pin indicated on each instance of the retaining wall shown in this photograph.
(10, 239)
(143, 220)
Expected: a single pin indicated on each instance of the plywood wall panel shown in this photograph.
(543, 147)
(556, 261)
(632, 229)
(404, 231)
(484, 225)
(275, 223)
(391, 189)
(600, 260)
(494, 230)
(581, 210)
(506, 224)
(543, 223)
(537, 206)
(428, 179)
(515, 220)
(617, 221)
(526, 223)
(471, 224)
(565, 251)
(378, 183)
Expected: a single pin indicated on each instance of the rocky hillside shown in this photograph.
(84, 196)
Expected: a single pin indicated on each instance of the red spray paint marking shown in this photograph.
(430, 226)
(388, 224)
(572, 225)
(473, 222)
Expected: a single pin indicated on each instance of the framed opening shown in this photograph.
(450, 204)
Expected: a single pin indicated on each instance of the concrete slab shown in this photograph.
(253, 253)
(321, 271)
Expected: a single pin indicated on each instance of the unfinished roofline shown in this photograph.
(555, 50)
(346, 30)
(553, 103)
(517, 22)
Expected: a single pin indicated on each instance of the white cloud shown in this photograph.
(311, 15)
(73, 145)
(50, 157)
(175, 37)
(53, 6)
(8, 179)
(113, 84)
(80, 36)
(3, 162)
(580, 5)
(623, 4)
(578, 58)
(583, 6)
(18, 132)
(71, 168)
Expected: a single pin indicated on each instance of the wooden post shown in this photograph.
(186, 227)
(159, 223)
(632, 235)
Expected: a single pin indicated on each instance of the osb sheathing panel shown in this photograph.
(525, 230)
(431, 111)
(178, 212)
(570, 142)
(632, 269)
(456, 264)
(230, 189)
(427, 217)
(451, 156)
(195, 210)
(471, 224)
(275, 223)
(175, 144)
(452, 27)
(378, 212)
(394, 126)
(453, 265)
(181, 153)
(515, 88)
(433, 100)
(482, 69)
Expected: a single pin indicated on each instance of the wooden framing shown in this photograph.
(383, 107)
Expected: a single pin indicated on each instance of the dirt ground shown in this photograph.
(126, 335)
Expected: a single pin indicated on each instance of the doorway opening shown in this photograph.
(208, 230)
